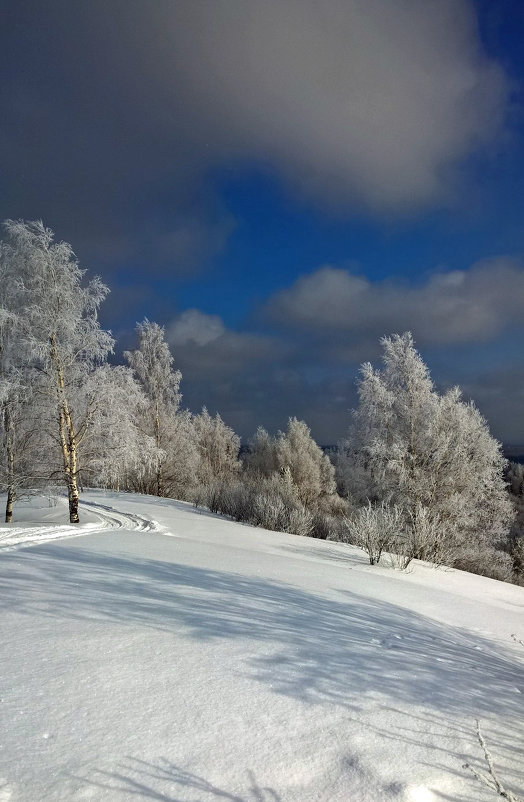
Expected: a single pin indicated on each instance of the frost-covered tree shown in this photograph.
(18, 418)
(22, 421)
(182, 462)
(374, 528)
(304, 472)
(261, 458)
(152, 363)
(12, 395)
(431, 456)
(310, 469)
(60, 335)
(116, 450)
(218, 448)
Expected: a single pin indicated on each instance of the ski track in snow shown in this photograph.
(17, 536)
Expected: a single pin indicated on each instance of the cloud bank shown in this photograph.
(115, 124)
(448, 308)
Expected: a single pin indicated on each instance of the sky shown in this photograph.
(281, 183)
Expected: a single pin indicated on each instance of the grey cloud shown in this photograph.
(351, 99)
(254, 379)
(241, 375)
(447, 308)
(499, 394)
(127, 105)
(205, 348)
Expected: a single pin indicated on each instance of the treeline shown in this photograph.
(419, 475)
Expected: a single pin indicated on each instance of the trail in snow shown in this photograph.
(95, 517)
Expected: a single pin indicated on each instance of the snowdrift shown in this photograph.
(158, 652)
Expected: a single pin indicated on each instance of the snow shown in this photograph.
(164, 653)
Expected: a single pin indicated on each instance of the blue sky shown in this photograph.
(282, 183)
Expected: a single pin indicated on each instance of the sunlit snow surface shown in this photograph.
(157, 652)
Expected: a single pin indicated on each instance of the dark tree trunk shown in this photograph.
(10, 450)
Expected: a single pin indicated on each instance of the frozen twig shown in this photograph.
(491, 780)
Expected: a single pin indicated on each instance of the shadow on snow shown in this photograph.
(142, 779)
(322, 650)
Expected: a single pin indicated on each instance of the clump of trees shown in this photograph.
(419, 475)
(67, 416)
(287, 484)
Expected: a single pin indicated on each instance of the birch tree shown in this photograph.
(10, 385)
(61, 335)
(218, 448)
(309, 468)
(152, 363)
(10, 372)
(20, 418)
(117, 453)
(21, 425)
(432, 456)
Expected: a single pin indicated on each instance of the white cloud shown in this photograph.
(196, 327)
(455, 307)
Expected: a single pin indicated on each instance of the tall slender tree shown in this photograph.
(61, 335)
(152, 362)
(10, 382)
(218, 447)
(20, 418)
(116, 451)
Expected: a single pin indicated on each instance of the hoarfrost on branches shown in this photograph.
(60, 335)
(429, 455)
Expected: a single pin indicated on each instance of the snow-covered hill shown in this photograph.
(168, 654)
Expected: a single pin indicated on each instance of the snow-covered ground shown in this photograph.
(169, 654)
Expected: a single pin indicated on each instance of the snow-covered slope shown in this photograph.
(168, 654)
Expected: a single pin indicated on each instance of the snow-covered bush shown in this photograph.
(375, 528)
(232, 499)
(422, 536)
(269, 511)
(300, 522)
(329, 527)
(485, 561)
(266, 502)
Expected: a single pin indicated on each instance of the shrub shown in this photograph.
(485, 561)
(374, 528)
(300, 522)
